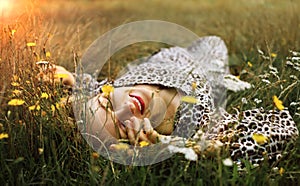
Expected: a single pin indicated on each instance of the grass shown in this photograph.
(44, 145)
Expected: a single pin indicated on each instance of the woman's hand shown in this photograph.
(56, 73)
(139, 130)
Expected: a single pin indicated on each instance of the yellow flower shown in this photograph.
(144, 143)
(260, 138)
(95, 155)
(16, 102)
(189, 99)
(15, 84)
(16, 92)
(16, 78)
(48, 54)
(3, 135)
(281, 171)
(31, 44)
(43, 113)
(45, 95)
(120, 146)
(54, 107)
(34, 107)
(61, 76)
(249, 64)
(194, 85)
(278, 103)
(107, 89)
(273, 55)
(13, 31)
(41, 150)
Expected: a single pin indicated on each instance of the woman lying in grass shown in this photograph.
(180, 92)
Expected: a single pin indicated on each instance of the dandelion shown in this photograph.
(43, 113)
(48, 54)
(45, 95)
(95, 155)
(16, 92)
(31, 44)
(281, 171)
(53, 108)
(273, 55)
(228, 162)
(3, 135)
(144, 143)
(107, 89)
(189, 99)
(249, 64)
(34, 107)
(278, 103)
(61, 76)
(260, 138)
(41, 150)
(120, 146)
(13, 31)
(16, 102)
(194, 86)
(15, 84)
(16, 78)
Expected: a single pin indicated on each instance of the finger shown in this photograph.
(147, 126)
(137, 124)
(153, 137)
(122, 131)
(131, 133)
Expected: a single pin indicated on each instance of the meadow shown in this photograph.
(39, 140)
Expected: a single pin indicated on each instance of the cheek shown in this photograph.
(100, 122)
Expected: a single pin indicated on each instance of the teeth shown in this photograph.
(140, 106)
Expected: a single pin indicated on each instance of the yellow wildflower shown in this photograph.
(41, 150)
(48, 54)
(34, 107)
(95, 155)
(278, 103)
(281, 171)
(273, 55)
(189, 99)
(61, 76)
(107, 89)
(144, 143)
(16, 78)
(16, 92)
(54, 107)
(194, 85)
(43, 113)
(16, 102)
(31, 44)
(249, 64)
(260, 138)
(13, 31)
(120, 146)
(15, 84)
(45, 95)
(3, 135)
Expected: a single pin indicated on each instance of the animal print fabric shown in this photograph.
(204, 64)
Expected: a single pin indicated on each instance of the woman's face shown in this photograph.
(141, 101)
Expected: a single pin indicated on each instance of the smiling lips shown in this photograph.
(138, 102)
